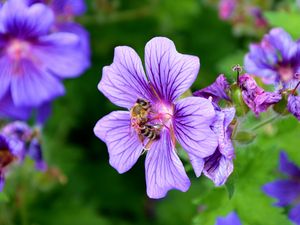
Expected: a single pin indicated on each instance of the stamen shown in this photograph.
(238, 70)
(295, 89)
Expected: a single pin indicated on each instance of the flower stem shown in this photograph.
(267, 121)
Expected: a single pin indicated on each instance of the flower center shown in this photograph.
(286, 73)
(18, 49)
(149, 120)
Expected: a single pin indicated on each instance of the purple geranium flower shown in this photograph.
(256, 98)
(217, 90)
(219, 166)
(276, 59)
(231, 219)
(156, 118)
(227, 8)
(33, 61)
(27, 139)
(287, 191)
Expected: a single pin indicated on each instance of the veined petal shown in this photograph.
(124, 81)
(164, 170)
(285, 191)
(193, 117)
(68, 7)
(124, 146)
(294, 105)
(288, 167)
(169, 72)
(217, 90)
(60, 53)
(218, 168)
(32, 87)
(230, 219)
(294, 214)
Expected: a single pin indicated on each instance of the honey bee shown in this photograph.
(139, 112)
(150, 131)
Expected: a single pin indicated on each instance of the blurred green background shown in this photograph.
(82, 189)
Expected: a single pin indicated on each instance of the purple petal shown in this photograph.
(6, 73)
(218, 168)
(221, 129)
(164, 170)
(170, 72)
(33, 87)
(230, 219)
(35, 152)
(80, 32)
(23, 21)
(217, 90)
(294, 214)
(288, 167)
(294, 105)
(285, 191)
(124, 81)
(60, 53)
(283, 42)
(124, 146)
(9, 110)
(192, 119)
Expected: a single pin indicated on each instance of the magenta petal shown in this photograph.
(170, 72)
(33, 87)
(60, 53)
(124, 146)
(164, 170)
(192, 120)
(124, 81)
(294, 105)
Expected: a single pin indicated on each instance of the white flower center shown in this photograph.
(18, 49)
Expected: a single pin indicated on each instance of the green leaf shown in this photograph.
(3, 197)
(288, 20)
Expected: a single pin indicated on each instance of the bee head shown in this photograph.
(142, 102)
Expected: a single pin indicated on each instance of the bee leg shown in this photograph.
(148, 145)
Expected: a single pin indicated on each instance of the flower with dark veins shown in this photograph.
(156, 118)
(219, 166)
(286, 191)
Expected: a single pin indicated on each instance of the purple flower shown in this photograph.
(28, 141)
(231, 219)
(294, 105)
(256, 98)
(260, 20)
(276, 59)
(287, 191)
(65, 12)
(33, 62)
(156, 118)
(227, 8)
(219, 166)
(217, 90)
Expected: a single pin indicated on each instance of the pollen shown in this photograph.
(18, 49)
